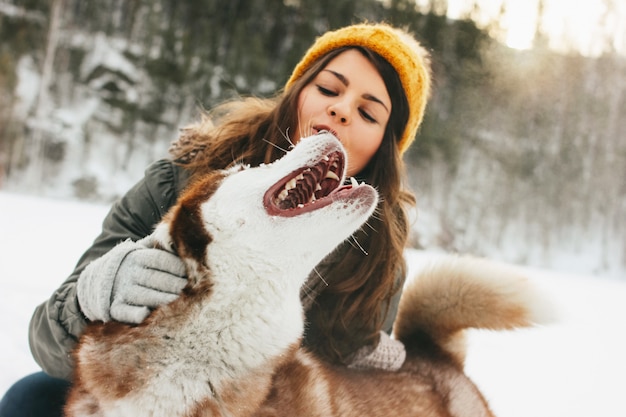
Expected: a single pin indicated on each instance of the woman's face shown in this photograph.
(348, 98)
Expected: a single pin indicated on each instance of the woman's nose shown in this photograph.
(340, 111)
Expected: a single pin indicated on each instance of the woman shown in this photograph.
(366, 83)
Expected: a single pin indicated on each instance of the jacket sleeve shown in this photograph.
(57, 323)
(394, 302)
(338, 343)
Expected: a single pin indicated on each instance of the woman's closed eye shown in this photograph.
(330, 93)
(325, 91)
(367, 116)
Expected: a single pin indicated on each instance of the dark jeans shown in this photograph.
(36, 395)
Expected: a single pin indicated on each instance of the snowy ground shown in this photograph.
(573, 368)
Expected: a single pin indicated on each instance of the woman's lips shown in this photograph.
(320, 128)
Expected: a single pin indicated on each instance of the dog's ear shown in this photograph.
(187, 234)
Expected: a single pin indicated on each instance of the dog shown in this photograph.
(230, 346)
(249, 238)
(436, 308)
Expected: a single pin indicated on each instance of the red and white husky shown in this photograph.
(249, 238)
(230, 345)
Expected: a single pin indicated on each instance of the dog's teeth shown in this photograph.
(318, 187)
(300, 205)
(326, 158)
(353, 182)
(290, 184)
(332, 175)
(283, 194)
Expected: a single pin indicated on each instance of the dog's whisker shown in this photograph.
(309, 291)
(361, 247)
(275, 145)
(287, 138)
(370, 226)
(321, 277)
(351, 244)
(236, 160)
(356, 244)
(376, 216)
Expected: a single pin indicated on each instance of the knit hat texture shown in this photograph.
(404, 53)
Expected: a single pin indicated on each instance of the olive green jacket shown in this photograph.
(57, 324)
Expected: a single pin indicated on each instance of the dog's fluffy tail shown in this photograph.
(455, 293)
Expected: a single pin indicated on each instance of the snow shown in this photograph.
(574, 367)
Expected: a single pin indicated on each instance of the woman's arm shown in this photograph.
(390, 313)
(57, 323)
(387, 353)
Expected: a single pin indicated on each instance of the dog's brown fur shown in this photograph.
(436, 309)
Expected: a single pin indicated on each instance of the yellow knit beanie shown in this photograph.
(410, 60)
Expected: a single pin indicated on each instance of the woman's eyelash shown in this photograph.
(367, 116)
(326, 91)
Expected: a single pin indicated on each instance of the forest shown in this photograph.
(521, 156)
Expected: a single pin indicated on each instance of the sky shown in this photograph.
(573, 367)
(586, 26)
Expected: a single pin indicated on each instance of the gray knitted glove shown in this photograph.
(129, 281)
(389, 355)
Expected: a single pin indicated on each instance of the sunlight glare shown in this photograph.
(590, 27)
(520, 23)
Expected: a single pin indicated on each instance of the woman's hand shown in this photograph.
(389, 354)
(128, 282)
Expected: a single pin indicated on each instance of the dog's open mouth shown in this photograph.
(308, 188)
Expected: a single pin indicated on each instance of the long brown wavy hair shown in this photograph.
(368, 268)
